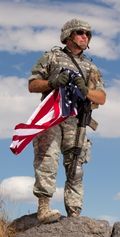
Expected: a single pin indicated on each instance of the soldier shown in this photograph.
(46, 76)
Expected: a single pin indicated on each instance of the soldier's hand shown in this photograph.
(81, 85)
(61, 80)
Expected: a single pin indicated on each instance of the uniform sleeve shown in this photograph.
(41, 69)
(96, 79)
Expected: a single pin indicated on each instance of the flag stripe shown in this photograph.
(50, 102)
(49, 112)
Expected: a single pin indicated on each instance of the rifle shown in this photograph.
(84, 118)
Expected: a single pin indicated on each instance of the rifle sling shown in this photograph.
(74, 61)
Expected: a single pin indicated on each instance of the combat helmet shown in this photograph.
(72, 25)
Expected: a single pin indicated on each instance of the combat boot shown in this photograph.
(73, 211)
(46, 215)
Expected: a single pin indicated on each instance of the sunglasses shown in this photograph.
(82, 32)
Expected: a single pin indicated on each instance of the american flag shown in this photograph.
(55, 108)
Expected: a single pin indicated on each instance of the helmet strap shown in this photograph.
(77, 45)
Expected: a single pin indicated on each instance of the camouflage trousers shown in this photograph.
(47, 149)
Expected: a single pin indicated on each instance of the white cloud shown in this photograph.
(114, 3)
(25, 39)
(17, 189)
(58, 195)
(104, 47)
(36, 26)
(20, 189)
(108, 115)
(17, 105)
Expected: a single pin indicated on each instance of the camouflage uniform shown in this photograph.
(49, 145)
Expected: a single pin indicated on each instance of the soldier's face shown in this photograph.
(81, 38)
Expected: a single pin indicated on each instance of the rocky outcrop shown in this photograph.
(116, 230)
(29, 226)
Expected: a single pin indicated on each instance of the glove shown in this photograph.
(61, 80)
(79, 82)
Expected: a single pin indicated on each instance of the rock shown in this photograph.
(25, 222)
(116, 230)
(29, 226)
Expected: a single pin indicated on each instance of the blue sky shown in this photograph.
(27, 29)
